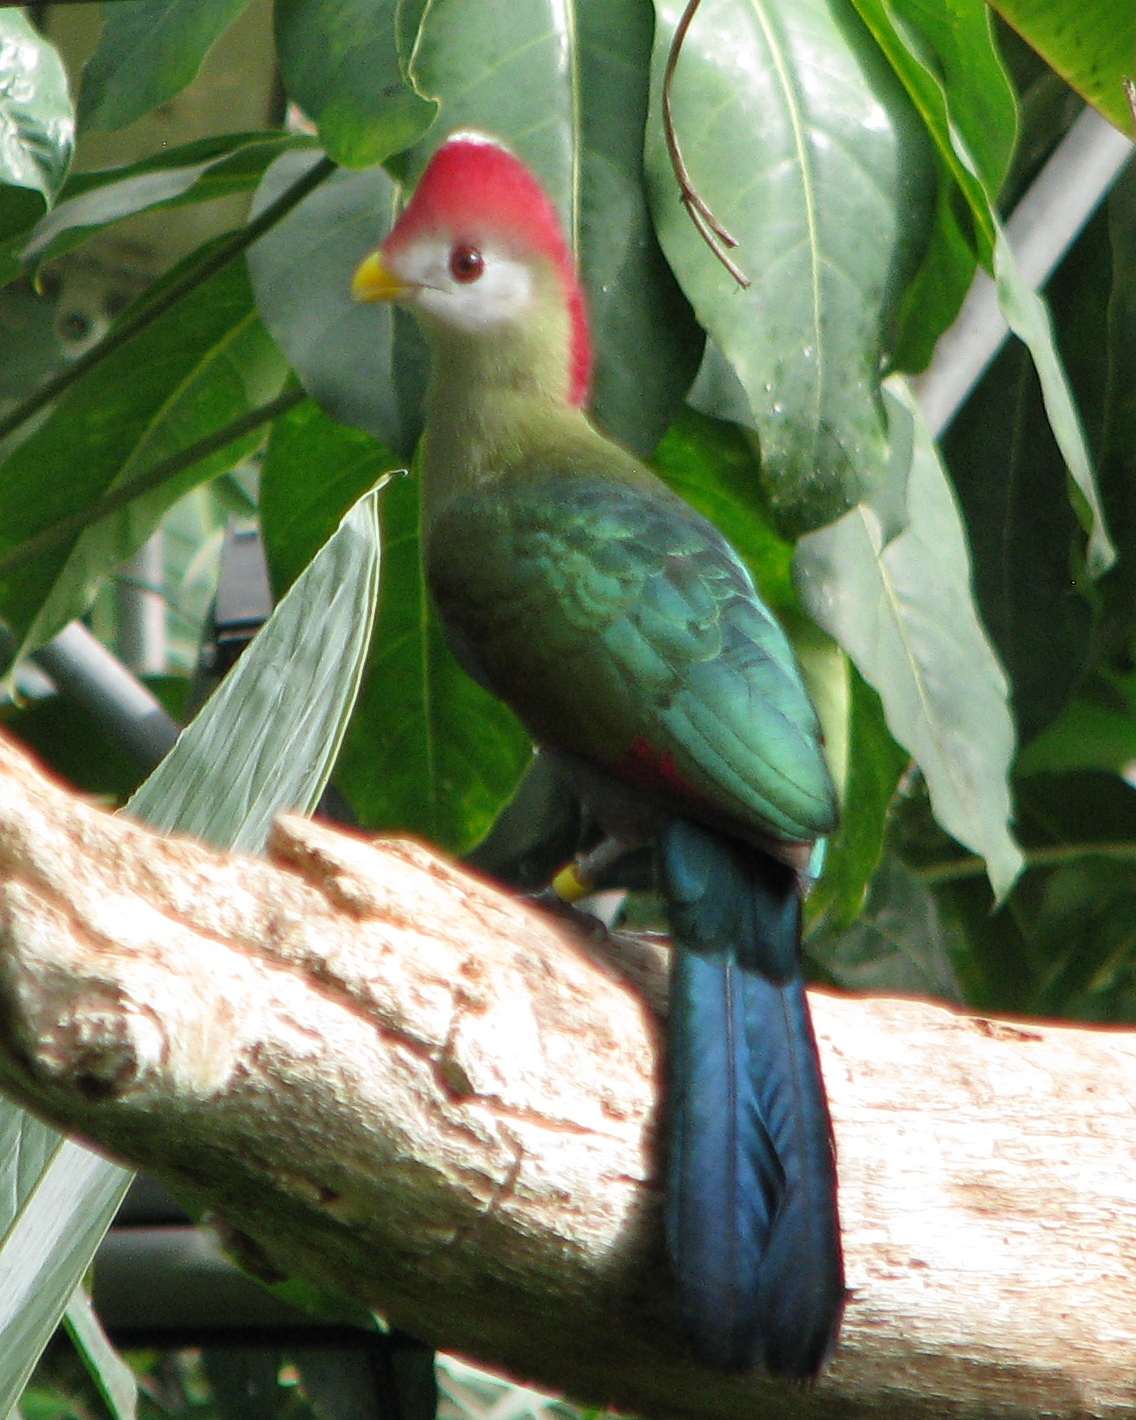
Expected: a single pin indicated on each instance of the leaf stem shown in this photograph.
(166, 469)
(713, 233)
(962, 868)
(131, 324)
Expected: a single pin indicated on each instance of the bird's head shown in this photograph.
(479, 256)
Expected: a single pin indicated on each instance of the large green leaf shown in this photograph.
(1090, 43)
(37, 124)
(904, 612)
(264, 743)
(805, 147)
(301, 273)
(205, 362)
(340, 61)
(313, 469)
(149, 51)
(267, 739)
(196, 172)
(1024, 310)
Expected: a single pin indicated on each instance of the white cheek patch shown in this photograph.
(499, 295)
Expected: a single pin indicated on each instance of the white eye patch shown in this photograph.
(501, 292)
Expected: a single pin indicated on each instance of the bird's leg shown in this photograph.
(579, 879)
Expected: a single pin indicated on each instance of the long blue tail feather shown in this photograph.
(751, 1192)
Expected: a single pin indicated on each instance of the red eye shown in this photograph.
(466, 263)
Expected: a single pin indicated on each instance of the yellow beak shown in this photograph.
(373, 282)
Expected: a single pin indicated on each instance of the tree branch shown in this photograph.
(404, 1084)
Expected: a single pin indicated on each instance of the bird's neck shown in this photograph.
(489, 404)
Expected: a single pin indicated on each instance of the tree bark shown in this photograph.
(402, 1083)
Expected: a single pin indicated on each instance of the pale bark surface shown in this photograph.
(404, 1084)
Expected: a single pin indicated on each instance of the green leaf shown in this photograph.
(904, 612)
(340, 61)
(60, 1199)
(831, 216)
(37, 124)
(313, 469)
(898, 947)
(205, 362)
(429, 751)
(957, 40)
(149, 51)
(1094, 731)
(1028, 317)
(301, 272)
(110, 1373)
(196, 172)
(875, 763)
(1090, 43)
(268, 737)
(943, 111)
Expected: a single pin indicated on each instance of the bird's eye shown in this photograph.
(466, 263)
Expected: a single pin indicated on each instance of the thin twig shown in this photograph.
(1130, 90)
(118, 498)
(715, 235)
(959, 869)
(148, 313)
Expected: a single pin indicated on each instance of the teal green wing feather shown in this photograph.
(621, 626)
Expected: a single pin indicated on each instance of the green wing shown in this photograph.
(621, 626)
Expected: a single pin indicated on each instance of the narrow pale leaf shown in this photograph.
(45, 1251)
(197, 172)
(265, 742)
(110, 1373)
(1028, 317)
(149, 51)
(904, 612)
(267, 739)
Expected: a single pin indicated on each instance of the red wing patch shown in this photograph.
(651, 769)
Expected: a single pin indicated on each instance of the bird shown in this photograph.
(627, 635)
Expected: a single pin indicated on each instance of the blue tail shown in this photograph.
(751, 1192)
